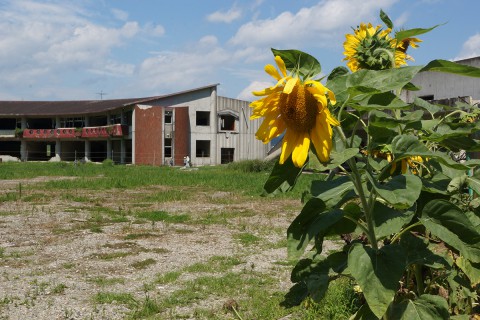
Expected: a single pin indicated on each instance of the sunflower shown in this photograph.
(372, 48)
(298, 108)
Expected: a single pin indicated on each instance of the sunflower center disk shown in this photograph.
(299, 109)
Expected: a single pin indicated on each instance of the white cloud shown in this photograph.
(318, 22)
(246, 94)
(197, 65)
(471, 48)
(120, 14)
(226, 17)
(43, 45)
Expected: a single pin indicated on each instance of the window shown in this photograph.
(227, 123)
(428, 97)
(168, 116)
(116, 118)
(227, 155)
(168, 147)
(203, 148)
(203, 118)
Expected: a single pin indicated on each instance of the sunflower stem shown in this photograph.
(357, 181)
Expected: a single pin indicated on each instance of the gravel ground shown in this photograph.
(52, 263)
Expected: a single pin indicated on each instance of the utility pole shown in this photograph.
(101, 94)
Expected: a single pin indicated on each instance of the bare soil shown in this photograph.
(57, 253)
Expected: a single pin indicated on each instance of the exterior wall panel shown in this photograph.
(148, 135)
(181, 143)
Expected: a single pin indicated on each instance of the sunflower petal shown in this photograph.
(271, 70)
(300, 152)
(281, 65)
(322, 138)
(291, 83)
(288, 144)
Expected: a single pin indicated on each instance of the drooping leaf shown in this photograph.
(378, 273)
(299, 233)
(299, 62)
(371, 100)
(283, 177)
(404, 146)
(305, 267)
(418, 252)
(452, 67)
(388, 220)
(338, 71)
(436, 184)
(432, 108)
(472, 270)
(400, 192)
(313, 221)
(364, 313)
(345, 225)
(334, 192)
(449, 223)
(426, 307)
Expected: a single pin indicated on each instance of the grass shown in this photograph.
(246, 239)
(163, 216)
(103, 281)
(126, 299)
(143, 264)
(100, 177)
(202, 288)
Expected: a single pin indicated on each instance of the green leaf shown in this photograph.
(305, 267)
(473, 183)
(472, 270)
(404, 34)
(283, 177)
(338, 158)
(386, 19)
(338, 71)
(299, 62)
(404, 146)
(312, 222)
(449, 223)
(333, 192)
(436, 184)
(426, 307)
(426, 105)
(388, 220)
(452, 67)
(364, 313)
(361, 84)
(376, 101)
(400, 192)
(378, 273)
(418, 252)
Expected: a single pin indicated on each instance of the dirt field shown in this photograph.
(60, 251)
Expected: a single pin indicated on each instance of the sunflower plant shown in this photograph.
(407, 213)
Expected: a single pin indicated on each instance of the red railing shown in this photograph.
(116, 130)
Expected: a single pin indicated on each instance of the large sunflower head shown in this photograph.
(298, 108)
(373, 48)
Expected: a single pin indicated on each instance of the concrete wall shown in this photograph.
(442, 85)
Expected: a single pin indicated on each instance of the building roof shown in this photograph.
(77, 107)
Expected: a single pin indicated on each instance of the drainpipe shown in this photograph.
(23, 143)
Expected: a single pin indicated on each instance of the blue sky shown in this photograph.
(73, 50)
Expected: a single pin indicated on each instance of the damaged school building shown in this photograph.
(160, 130)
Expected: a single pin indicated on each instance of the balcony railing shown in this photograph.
(116, 130)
